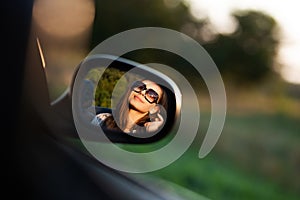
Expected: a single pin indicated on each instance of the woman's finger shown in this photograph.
(160, 117)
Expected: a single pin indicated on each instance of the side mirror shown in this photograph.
(124, 101)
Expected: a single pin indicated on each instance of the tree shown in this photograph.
(248, 54)
(115, 16)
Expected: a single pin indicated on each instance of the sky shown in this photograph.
(286, 13)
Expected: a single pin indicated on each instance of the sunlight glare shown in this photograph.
(64, 18)
(286, 13)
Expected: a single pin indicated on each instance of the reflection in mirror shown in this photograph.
(130, 102)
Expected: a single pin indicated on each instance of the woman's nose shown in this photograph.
(143, 92)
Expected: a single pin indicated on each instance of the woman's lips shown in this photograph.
(138, 99)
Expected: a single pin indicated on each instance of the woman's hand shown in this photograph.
(99, 119)
(155, 124)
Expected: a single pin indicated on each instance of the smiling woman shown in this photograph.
(118, 100)
(141, 109)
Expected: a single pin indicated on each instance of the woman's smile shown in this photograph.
(138, 98)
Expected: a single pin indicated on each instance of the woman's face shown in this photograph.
(138, 99)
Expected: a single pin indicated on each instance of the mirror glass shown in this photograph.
(126, 101)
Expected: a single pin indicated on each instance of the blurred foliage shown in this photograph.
(246, 56)
(115, 16)
(257, 156)
(252, 159)
(106, 85)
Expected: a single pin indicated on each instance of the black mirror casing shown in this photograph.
(82, 92)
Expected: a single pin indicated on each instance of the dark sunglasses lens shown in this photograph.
(151, 95)
(138, 86)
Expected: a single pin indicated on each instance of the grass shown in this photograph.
(217, 178)
(256, 157)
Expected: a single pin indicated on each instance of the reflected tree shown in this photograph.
(105, 85)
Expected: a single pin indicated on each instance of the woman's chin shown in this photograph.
(137, 107)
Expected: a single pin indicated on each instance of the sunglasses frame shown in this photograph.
(142, 86)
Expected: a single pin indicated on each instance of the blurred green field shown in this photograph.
(256, 157)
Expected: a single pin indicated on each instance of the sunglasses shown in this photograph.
(150, 95)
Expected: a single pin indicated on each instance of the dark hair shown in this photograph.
(122, 110)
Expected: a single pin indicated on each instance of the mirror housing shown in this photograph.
(91, 78)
